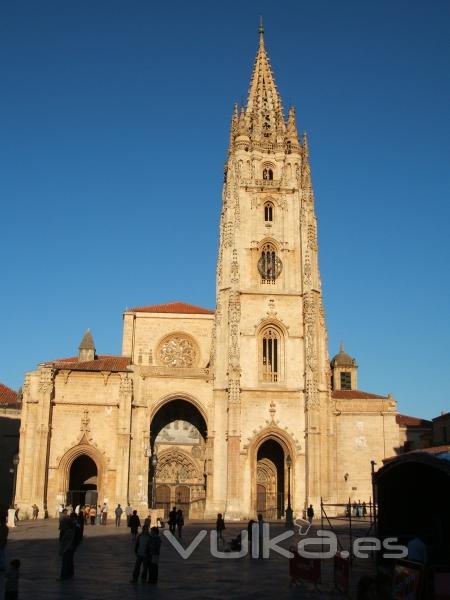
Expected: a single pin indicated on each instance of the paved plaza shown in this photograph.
(105, 560)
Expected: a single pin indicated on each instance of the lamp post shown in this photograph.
(374, 500)
(154, 465)
(289, 511)
(15, 462)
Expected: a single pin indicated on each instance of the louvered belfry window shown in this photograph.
(270, 355)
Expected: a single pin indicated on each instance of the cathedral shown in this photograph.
(237, 410)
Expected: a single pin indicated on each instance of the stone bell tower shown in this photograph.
(269, 347)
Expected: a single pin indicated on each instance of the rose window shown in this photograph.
(177, 351)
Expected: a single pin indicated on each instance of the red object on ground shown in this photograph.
(307, 569)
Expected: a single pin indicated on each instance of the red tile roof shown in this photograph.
(407, 421)
(174, 307)
(103, 362)
(355, 395)
(7, 395)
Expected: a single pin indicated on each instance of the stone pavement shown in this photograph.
(105, 560)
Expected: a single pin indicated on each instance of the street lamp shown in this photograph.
(154, 465)
(15, 462)
(289, 511)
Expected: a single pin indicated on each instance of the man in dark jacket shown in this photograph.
(134, 525)
(173, 520)
(154, 546)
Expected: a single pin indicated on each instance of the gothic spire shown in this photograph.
(264, 106)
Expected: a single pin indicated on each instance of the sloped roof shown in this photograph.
(417, 422)
(174, 307)
(8, 396)
(103, 362)
(355, 395)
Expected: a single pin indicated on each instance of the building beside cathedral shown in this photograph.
(238, 404)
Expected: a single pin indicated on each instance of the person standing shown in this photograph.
(310, 513)
(66, 547)
(180, 522)
(220, 526)
(135, 523)
(173, 520)
(118, 512)
(261, 535)
(141, 549)
(128, 513)
(92, 514)
(4, 530)
(98, 515)
(104, 513)
(153, 558)
(12, 580)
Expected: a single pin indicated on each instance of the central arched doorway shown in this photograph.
(178, 434)
(270, 480)
(83, 481)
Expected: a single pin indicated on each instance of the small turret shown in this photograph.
(344, 371)
(234, 126)
(86, 349)
(291, 130)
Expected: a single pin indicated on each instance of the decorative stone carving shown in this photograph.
(178, 351)
(126, 386)
(176, 467)
(46, 380)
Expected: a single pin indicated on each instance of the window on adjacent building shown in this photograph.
(268, 212)
(346, 381)
(270, 356)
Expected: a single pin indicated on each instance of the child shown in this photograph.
(12, 580)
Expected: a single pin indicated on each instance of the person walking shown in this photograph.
(310, 513)
(12, 580)
(179, 522)
(4, 530)
(79, 528)
(128, 513)
(118, 512)
(66, 547)
(141, 549)
(173, 520)
(153, 558)
(220, 526)
(135, 523)
(98, 515)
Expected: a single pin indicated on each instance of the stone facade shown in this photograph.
(222, 397)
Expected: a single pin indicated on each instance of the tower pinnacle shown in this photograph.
(264, 109)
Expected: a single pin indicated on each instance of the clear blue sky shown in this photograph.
(114, 126)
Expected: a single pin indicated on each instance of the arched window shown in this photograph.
(268, 212)
(270, 355)
(268, 173)
(269, 265)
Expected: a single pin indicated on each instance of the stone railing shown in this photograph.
(267, 183)
(175, 372)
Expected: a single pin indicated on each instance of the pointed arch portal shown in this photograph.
(270, 480)
(178, 434)
(83, 480)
